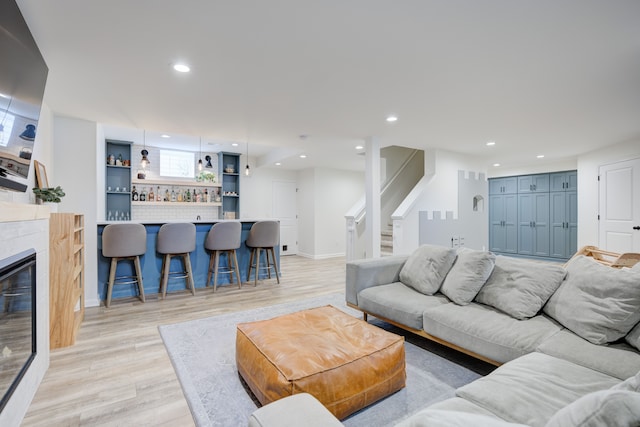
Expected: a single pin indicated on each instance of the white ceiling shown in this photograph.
(552, 77)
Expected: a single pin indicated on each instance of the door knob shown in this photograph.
(637, 227)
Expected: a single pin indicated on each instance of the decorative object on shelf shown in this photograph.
(206, 176)
(229, 169)
(200, 161)
(208, 159)
(144, 162)
(53, 195)
(41, 175)
(141, 174)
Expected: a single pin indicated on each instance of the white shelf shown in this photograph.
(155, 182)
(184, 204)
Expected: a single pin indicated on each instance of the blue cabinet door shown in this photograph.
(564, 224)
(533, 224)
(503, 215)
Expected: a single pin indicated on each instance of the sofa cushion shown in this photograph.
(599, 303)
(630, 384)
(399, 303)
(618, 360)
(633, 337)
(443, 418)
(601, 408)
(532, 388)
(426, 268)
(487, 331)
(468, 274)
(520, 287)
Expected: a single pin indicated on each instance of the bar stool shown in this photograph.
(223, 237)
(176, 239)
(263, 235)
(124, 242)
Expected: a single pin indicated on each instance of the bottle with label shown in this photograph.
(143, 195)
(173, 195)
(167, 196)
(152, 196)
(180, 195)
(187, 196)
(194, 197)
(158, 195)
(205, 197)
(134, 194)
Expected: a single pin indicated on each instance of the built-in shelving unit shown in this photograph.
(66, 278)
(229, 168)
(118, 180)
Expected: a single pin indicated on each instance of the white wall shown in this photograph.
(257, 191)
(438, 192)
(324, 195)
(75, 170)
(588, 168)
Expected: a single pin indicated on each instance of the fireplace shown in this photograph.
(17, 320)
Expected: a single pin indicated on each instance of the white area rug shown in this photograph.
(203, 355)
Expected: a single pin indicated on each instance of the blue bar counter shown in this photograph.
(151, 263)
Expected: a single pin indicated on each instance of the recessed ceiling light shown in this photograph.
(392, 119)
(359, 147)
(491, 143)
(164, 135)
(2, 95)
(182, 68)
(495, 165)
(235, 144)
(303, 156)
(278, 163)
(540, 156)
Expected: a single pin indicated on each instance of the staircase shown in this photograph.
(386, 242)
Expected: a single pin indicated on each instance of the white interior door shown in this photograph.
(620, 206)
(285, 209)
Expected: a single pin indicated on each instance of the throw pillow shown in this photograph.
(426, 267)
(633, 337)
(599, 303)
(520, 287)
(630, 384)
(601, 408)
(469, 272)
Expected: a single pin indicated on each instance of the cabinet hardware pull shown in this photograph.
(637, 227)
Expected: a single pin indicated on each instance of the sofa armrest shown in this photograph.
(293, 411)
(366, 273)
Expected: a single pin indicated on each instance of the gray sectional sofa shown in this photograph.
(567, 337)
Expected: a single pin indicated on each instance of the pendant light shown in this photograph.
(247, 169)
(200, 161)
(144, 162)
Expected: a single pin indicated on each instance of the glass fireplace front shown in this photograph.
(17, 320)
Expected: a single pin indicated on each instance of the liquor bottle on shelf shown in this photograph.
(143, 195)
(179, 195)
(194, 197)
(173, 195)
(187, 196)
(158, 195)
(152, 196)
(134, 194)
(205, 197)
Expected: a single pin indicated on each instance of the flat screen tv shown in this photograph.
(23, 75)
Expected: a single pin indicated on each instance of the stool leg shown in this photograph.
(187, 261)
(235, 263)
(255, 283)
(266, 254)
(253, 250)
(210, 268)
(112, 278)
(136, 262)
(215, 272)
(166, 262)
(275, 263)
(229, 266)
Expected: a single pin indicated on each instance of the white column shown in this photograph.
(372, 193)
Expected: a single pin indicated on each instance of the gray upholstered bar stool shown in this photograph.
(223, 237)
(176, 239)
(124, 242)
(263, 235)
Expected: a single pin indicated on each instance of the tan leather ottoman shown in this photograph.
(343, 361)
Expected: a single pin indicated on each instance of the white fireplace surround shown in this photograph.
(22, 227)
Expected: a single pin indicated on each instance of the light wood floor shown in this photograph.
(119, 374)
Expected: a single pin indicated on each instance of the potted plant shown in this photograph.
(50, 195)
